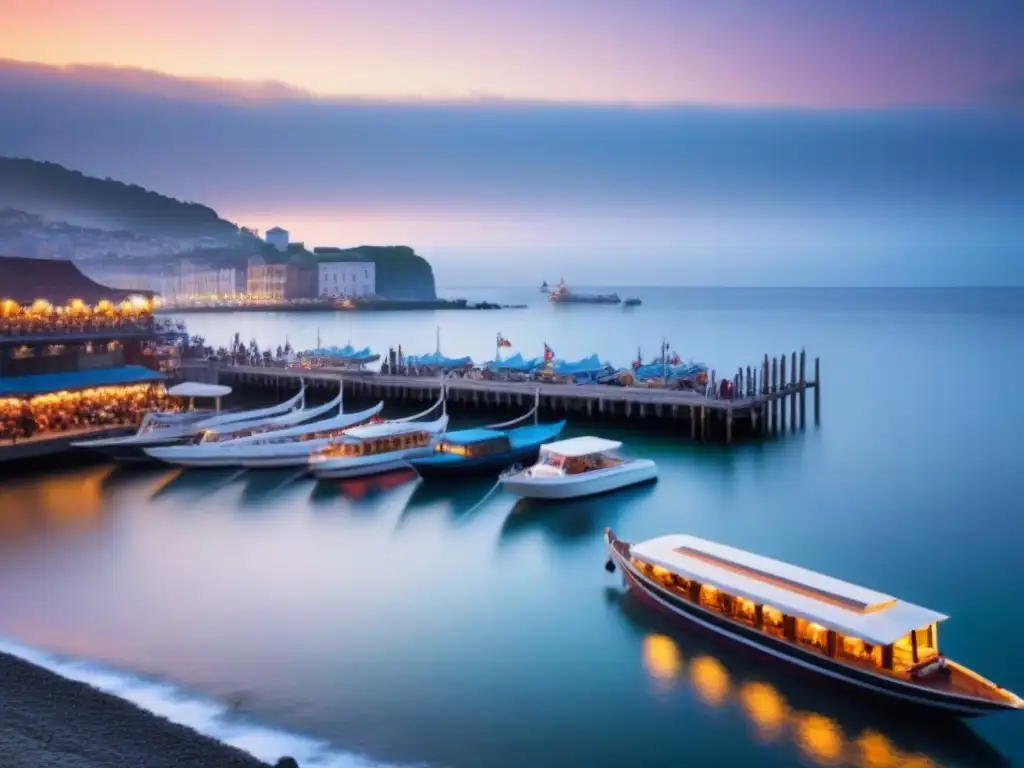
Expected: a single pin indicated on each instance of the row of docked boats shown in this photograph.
(348, 445)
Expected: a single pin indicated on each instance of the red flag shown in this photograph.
(503, 342)
(549, 353)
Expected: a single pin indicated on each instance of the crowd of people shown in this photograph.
(22, 418)
(41, 319)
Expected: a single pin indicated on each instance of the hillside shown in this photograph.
(59, 194)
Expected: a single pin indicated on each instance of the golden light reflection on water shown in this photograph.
(819, 737)
(710, 679)
(876, 751)
(662, 658)
(67, 499)
(765, 706)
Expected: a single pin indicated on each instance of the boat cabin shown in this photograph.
(820, 614)
(580, 454)
(474, 443)
(375, 439)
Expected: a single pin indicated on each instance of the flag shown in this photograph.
(675, 359)
(503, 342)
(549, 353)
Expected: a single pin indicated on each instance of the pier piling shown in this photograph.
(817, 391)
(803, 389)
(782, 391)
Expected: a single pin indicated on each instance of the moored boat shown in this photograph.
(376, 448)
(580, 466)
(161, 428)
(838, 630)
(292, 447)
(485, 449)
(212, 446)
(562, 295)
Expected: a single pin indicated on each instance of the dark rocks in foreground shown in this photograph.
(47, 721)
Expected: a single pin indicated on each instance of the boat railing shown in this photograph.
(532, 412)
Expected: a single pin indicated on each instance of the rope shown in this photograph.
(504, 424)
(419, 415)
(485, 498)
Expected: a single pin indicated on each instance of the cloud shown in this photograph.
(705, 178)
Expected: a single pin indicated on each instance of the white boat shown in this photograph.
(580, 466)
(234, 417)
(292, 447)
(377, 448)
(213, 446)
(838, 631)
(161, 428)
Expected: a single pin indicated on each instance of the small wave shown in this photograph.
(204, 715)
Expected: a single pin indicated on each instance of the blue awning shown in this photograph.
(57, 382)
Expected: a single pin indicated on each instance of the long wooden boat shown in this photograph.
(477, 451)
(829, 627)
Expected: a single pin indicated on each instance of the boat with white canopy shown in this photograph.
(377, 448)
(579, 466)
(292, 447)
(162, 428)
(212, 446)
(832, 628)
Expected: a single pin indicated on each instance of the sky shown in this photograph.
(867, 142)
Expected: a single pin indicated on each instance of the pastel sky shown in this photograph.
(848, 141)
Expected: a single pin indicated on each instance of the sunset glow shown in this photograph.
(647, 51)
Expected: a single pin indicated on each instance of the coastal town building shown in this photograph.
(75, 356)
(279, 279)
(278, 237)
(346, 279)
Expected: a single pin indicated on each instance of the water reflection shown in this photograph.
(827, 729)
(189, 483)
(458, 497)
(65, 500)
(574, 519)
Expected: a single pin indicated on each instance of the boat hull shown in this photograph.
(429, 467)
(584, 484)
(783, 651)
(364, 466)
(129, 448)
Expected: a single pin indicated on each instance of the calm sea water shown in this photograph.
(431, 623)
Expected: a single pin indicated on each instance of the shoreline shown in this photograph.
(58, 722)
(376, 306)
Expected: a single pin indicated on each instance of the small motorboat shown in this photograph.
(474, 451)
(161, 428)
(837, 630)
(632, 303)
(377, 448)
(580, 466)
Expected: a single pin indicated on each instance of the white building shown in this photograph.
(347, 279)
(278, 238)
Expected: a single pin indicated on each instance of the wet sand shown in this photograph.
(47, 720)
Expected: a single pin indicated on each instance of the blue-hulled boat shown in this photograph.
(516, 363)
(437, 360)
(588, 370)
(346, 354)
(473, 451)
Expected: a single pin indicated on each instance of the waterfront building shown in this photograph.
(280, 279)
(278, 237)
(346, 279)
(75, 355)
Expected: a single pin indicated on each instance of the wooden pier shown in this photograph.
(765, 401)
